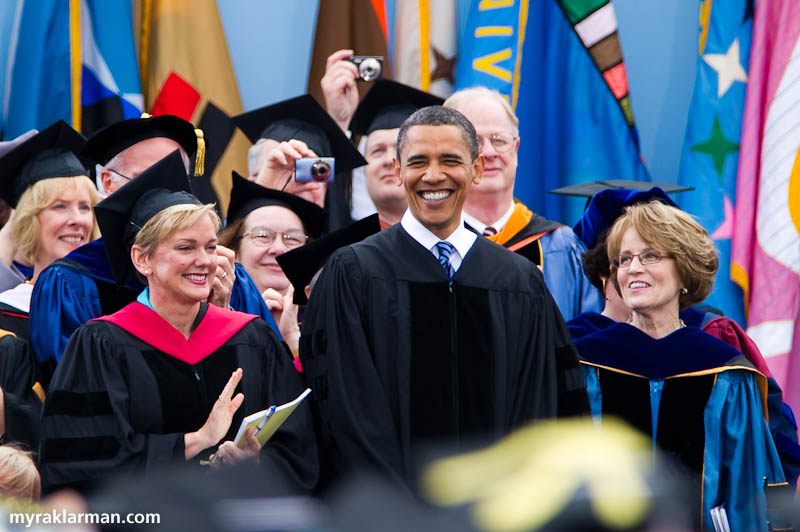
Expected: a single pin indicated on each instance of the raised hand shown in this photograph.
(224, 278)
(339, 87)
(219, 420)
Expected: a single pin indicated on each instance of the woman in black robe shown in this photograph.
(168, 377)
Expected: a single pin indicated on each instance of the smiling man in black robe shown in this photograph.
(426, 333)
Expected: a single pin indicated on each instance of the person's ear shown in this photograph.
(397, 171)
(140, 260)
(106, 180)
(477, 168)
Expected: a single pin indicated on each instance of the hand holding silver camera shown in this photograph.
(314, 170)
(369, 66)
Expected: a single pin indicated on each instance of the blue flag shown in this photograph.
(709, 159)
(560, 65)
(110, 88)
(73, 60)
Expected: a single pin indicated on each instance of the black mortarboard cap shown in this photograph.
(587, 190)
(302, 118)
(8, 145)
(606, 206)
(387, 105)
(247, 196)
(50, 153)
(111, 140)
(301, 264)
(122, 214)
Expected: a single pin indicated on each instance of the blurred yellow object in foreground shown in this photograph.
(529, 477)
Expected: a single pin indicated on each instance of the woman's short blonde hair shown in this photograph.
(171, 220)
(40, 195)
(674, 232)
(19, 477)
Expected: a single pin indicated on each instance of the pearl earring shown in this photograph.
(684, 291)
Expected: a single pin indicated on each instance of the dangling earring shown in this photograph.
(684, 291)
(604, 289)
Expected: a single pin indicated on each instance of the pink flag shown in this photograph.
(766, 239)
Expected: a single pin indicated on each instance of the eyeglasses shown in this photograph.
(123, 176)
(499, 142)
(266, 237)
(645, 258)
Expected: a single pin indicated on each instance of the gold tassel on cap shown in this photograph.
(145, 115)
(199, 162)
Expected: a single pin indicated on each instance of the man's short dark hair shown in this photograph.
(437, 115)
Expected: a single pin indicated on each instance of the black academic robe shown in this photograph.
(526, 241)
(700, 401)
(130, 386)
(14, 320)
(23, 408)
(397, 357)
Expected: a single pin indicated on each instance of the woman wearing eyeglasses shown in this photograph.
(264, 223)
(699, 399)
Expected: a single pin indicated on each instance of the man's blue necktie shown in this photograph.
(445, 249)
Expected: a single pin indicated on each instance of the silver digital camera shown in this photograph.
(369, 66)
(314, 170)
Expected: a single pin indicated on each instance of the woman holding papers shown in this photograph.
(167, 378)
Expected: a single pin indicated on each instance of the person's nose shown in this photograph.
(206, 257)
(487, 149)
(434, 174)
(277, 247)
(636, 264)
(76, 216)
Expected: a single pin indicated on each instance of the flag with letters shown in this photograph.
(711, 145)
(766, 222)
(559, 63)
(73, 60)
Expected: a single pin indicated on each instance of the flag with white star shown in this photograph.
(711, 144)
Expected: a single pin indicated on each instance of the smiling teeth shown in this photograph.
(71, 239)
(433, 196)
(196, 277)
(639, 284)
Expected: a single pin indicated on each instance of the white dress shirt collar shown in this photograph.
(480, 227)
(462, 238)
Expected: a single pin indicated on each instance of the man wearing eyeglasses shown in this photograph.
(490, 208)
(80, 287)
(426, 332)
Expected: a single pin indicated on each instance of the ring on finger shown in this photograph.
(224, 274)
